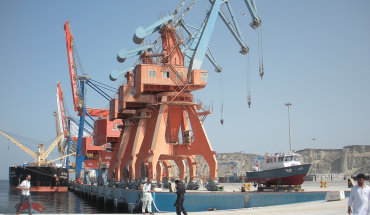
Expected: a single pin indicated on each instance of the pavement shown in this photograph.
(317, 207)
(307, 186)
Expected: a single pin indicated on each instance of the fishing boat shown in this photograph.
(280, 169)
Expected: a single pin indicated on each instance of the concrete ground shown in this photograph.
(307, 186)
(317, 207)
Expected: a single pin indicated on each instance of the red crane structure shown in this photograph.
(168, 120)
(86, 148)
(77, 102)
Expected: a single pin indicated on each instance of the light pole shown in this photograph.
(314, 155)
(241, 155)
(290, 141)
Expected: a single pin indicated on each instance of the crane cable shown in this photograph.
(260, 52)
(222, 98)
(248, 81)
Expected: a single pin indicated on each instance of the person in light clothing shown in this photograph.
(147, 196)
(25, 187)
(359, 197)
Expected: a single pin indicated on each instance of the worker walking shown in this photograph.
(180, 191)
(25, 187)
(147, 196)
(359, 197)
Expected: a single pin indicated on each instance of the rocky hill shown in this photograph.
(350, 160)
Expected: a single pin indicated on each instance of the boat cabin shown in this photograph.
(281, 160)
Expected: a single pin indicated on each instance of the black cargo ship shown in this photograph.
(46, 178)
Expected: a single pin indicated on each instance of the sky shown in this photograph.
(316, 56)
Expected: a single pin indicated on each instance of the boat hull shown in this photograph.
(294, 175)
(43, 179)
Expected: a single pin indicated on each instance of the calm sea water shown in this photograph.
(54, 202)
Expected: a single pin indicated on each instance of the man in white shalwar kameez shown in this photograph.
(147, 196)
(359, 197)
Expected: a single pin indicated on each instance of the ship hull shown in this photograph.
(294, 175)
(43, 179)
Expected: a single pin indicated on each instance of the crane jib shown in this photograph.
(73, 74)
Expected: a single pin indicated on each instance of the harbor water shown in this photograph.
(65, 203)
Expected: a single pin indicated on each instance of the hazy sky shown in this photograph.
(316, 56)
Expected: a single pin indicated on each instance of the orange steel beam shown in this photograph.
(167, 167)
(145, 147)
(137, 143)
(112, 163)
(179, 161)
(192, 166)
(159, 172)
(127, 148)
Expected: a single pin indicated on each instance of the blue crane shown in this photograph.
(196, 46)
(236, 170)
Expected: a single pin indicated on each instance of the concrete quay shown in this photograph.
(230, 201)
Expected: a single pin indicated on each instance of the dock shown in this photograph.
(225, 202)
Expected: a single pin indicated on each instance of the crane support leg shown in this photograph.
(139, 136)
(163, 128)
(146, 144)
(192, 166)
(122, 140)
(159, 172)
(127, 148)
(201, 144)
(167, 167)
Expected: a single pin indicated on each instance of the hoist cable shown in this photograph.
(78, 58)
(222, 98)
(248, 81)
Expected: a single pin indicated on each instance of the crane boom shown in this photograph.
(34, 155)
(46, 154)
(256, 21)
(63, 157)
(61, 110)
(205, 37)
(71, 64)
(77, 102)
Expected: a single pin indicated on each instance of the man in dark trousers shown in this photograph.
(25, 187)
(180, 191)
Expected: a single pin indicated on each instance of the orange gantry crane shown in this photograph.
(168, 120)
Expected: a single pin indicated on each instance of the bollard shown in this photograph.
(130, 208)
(115, 205)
